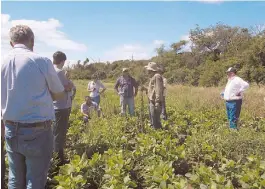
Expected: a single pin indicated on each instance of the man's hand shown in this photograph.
(157, 106)
(68, 87)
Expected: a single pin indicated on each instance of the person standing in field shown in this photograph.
(233, 95)
(87, 107)
(164, 111)
(155, 94)
(94, 88)
(61, 107)
(73, 92)
(29, 85)
(127, 88)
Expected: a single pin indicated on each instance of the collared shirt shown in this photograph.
(126, 86)
(96, 85)
(156, 89)
(87, 109)
(27, 79)
(66, 101)
(234, 86)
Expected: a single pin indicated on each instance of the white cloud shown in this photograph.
(158, 42)
(48, 36)
(185, 37)
(137, 51)
(187, 47)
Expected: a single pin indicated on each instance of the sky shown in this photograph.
(109, 31)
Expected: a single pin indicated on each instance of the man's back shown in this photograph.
(25, 94)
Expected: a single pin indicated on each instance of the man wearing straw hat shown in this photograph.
(155, 94)
(127, 87)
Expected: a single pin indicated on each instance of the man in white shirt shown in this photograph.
(94, 89)
(233, 95)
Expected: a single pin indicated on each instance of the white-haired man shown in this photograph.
(233, 95)
(29, 86)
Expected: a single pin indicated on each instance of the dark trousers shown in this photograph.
(233, 109)
(164, 111)
(60, 128)
(155, 113)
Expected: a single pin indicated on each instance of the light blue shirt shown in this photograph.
(65, 102)
(27, 79)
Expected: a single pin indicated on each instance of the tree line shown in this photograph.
(210, 52)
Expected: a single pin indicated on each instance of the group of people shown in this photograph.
(127, 88)
(37, 98)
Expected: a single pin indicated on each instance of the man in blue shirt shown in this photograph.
(61, 107)
(28, 87)
(127, 87)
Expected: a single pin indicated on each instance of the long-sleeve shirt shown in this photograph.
(165, 86)
(156, 89)
(126, 86)
(26, 82)
(234, 88)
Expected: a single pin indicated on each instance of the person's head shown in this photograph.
(152, 68)
(231, 72)
(59, 59)
(95, 77)
(88, 99)
(125, 72)
(22, 34)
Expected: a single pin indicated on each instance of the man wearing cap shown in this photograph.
(164, 111)
(155, 94)
(29, 85)
(127, 87)
(233, 95)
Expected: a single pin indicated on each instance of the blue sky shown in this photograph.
(116, 30)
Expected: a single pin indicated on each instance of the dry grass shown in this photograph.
(195, 98)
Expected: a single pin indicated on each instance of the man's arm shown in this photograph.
(117, 84)
(103, 87)
(244, 85)
(66, 82)
(53, 82)
(158, 89)
(135, 87)
(83, 112)
(89, 87)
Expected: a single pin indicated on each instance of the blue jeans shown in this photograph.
(29, 152)
(233, 109)
(96, 99)
(127, 101)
